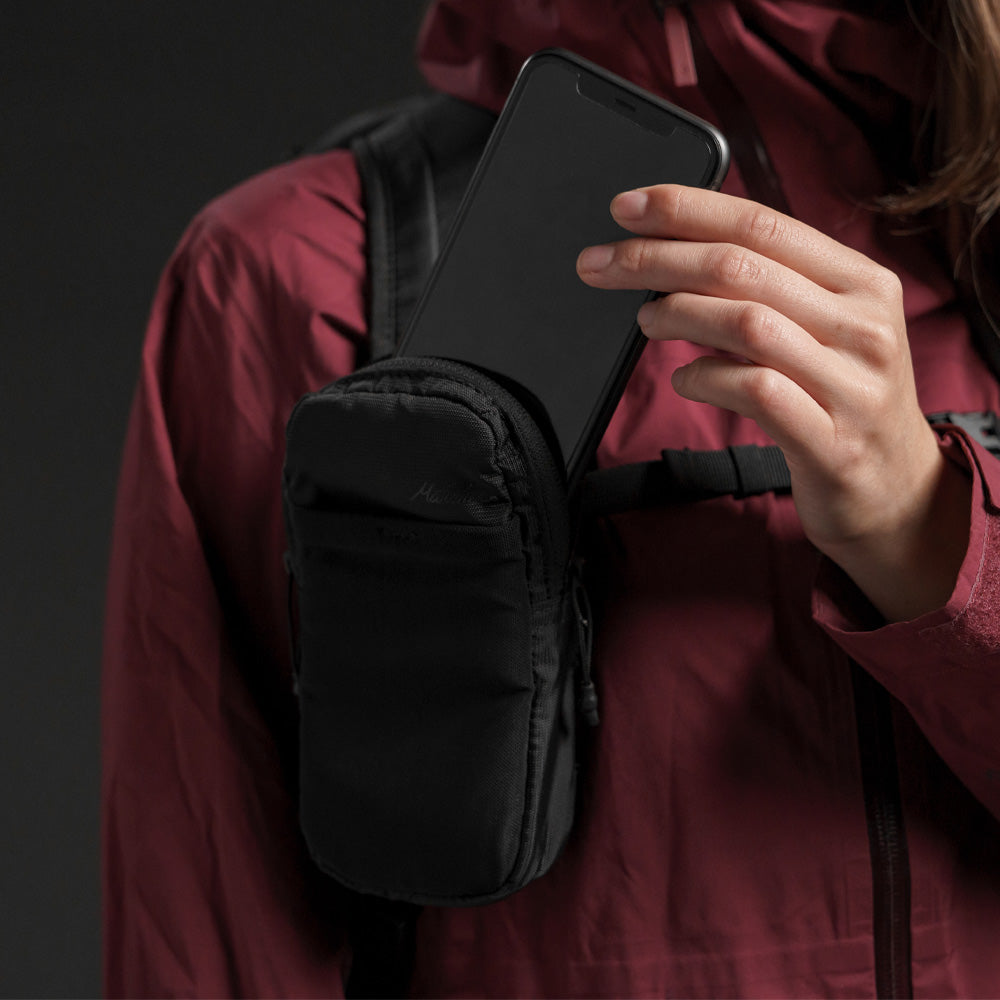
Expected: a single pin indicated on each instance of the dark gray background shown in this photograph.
(119, 120)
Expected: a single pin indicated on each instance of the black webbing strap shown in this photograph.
(383, 936)
(685, 476)
(740, 471)
(415, 159)
(414, 168)
(399, 246)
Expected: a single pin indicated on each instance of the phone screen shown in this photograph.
(504, 295)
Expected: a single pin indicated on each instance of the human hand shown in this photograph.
(817, 355)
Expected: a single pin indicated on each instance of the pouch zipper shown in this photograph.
(549, 487)
(545, 481)
(293, 622)
(587, 697)
(553, 492)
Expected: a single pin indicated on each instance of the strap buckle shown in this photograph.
(982, 426)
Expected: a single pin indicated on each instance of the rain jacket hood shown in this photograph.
(832, 91)
(473, 50)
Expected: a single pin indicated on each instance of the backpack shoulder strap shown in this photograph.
(740, 471)
(415, 158)
(685, 476)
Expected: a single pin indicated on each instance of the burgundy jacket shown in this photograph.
(721, 847)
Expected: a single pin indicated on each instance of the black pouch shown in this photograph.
(440, 630)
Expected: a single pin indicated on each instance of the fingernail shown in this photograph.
(645, 314)
(595, 258)
(630, 205)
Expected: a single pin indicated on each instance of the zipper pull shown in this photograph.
(588, 693)
(678, 38)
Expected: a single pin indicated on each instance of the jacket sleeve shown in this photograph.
(208, 891)
(944, 666)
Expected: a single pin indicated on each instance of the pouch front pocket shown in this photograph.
(376, 597)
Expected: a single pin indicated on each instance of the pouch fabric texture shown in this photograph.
(441, 635)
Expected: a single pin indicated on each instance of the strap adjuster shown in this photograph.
(982, 426)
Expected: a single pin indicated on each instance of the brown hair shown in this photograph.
(961, 130)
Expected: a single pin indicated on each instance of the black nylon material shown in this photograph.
(439, 648)
(415, 158)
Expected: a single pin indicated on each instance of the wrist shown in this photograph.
(911, 569)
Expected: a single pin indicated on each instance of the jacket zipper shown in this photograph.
(872, 703)
(886, 837)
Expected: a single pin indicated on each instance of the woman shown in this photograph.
(722, 847)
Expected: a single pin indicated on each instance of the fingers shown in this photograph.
(822, 325)
(748, 330)
(672, 211)
(828, 373)
(720, 270)
(789, 383)
(781, 407)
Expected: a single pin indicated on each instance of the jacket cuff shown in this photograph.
(956, 635)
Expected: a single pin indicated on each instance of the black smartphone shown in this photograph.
(504, 295)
